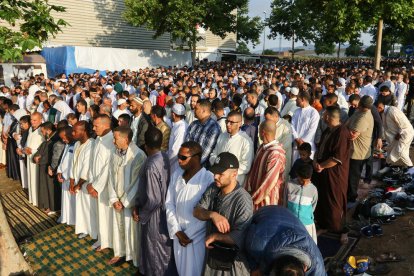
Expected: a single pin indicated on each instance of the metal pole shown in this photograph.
(264, 35)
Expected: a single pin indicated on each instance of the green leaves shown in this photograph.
(35, 25)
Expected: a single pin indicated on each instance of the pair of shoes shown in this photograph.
(372, 230)
(83, 235)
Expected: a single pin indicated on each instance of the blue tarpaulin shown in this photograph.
(62, 60)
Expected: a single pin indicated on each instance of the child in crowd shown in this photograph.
(305, 151)
(302, 196)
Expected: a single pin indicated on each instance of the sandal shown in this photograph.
(389, 257)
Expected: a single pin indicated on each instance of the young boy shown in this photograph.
(302, 197)
(305, 151)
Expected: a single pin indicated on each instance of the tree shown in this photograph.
(292, 20)
(248, 28)
(370, 51)
(350, 17)
(242, 48)
(269, 52)
(26, 25)
(353, 50)
(324, 48)
(180, 18)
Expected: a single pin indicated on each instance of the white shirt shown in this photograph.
(65, 164)
(241, 146)
(290, 106)
(177, 136)
(400, 92)
(304, 124)
(85, 117)
(369, 90)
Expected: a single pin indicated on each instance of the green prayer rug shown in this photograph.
(58, 251)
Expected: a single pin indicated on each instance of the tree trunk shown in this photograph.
(377, 61)
(293, 46)
(339, 50)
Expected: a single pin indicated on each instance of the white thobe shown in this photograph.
(22, 163)
(34, 139)
(134, 126)
(241, 146)
(68, 205)
(285, 137)
(304, 125)
(369, 90)
(80, 170)
(290, 106)
(400, 92)
(177, 136)
(190, 117)
(63, 108)
(395, 122)
(102, 152)
(181, 199)
(123, 186)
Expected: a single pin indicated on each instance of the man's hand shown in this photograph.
(379, 144)
(91, 191)
(221, 223)
(318, 167)
(60, 178)
(299, 141)
(27, 150)
(256, 273)
(397, 137)
(135, 215)
(49, 171)
(19, 151)
(36, 159)
(210, 239)
(353, 135)
(183, 239)
(118, 206)
(76, 188)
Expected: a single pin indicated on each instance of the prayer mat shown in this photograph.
(331, 248)
(25, 220)
(58, 251)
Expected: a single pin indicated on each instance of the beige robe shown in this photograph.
(34, 139)
(285, 137)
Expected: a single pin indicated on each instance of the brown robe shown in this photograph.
(332, 183)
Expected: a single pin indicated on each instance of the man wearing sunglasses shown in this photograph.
(187, 185)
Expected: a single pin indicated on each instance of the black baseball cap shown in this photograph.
(224, 161)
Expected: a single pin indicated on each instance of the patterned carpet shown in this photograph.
(25, 220)
(58, 251)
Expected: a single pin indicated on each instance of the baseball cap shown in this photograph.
(224, 161)
(178, 109)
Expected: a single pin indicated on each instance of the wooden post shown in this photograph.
(377, 61)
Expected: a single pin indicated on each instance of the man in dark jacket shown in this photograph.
(140, 122)
(276, 239)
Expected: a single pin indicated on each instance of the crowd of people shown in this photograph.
(177, 169)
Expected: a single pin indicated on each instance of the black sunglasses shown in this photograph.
(183, 157)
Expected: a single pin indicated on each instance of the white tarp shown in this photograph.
(117, 59)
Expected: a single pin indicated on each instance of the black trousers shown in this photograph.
(355, 170)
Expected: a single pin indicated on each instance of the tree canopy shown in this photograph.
(180, 18)
(26, 25)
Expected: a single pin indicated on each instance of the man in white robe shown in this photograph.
(102, 151)
(79, 177)
(399, 134)
(236, 142)
(123, 185)
(401, 90)
(305, 122)
(186, 187)
(177, 135)
(34, 139)
(68, 209)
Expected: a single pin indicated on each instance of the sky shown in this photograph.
(258, 7)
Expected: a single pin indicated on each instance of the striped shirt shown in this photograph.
(206, 134)
(265, 181)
